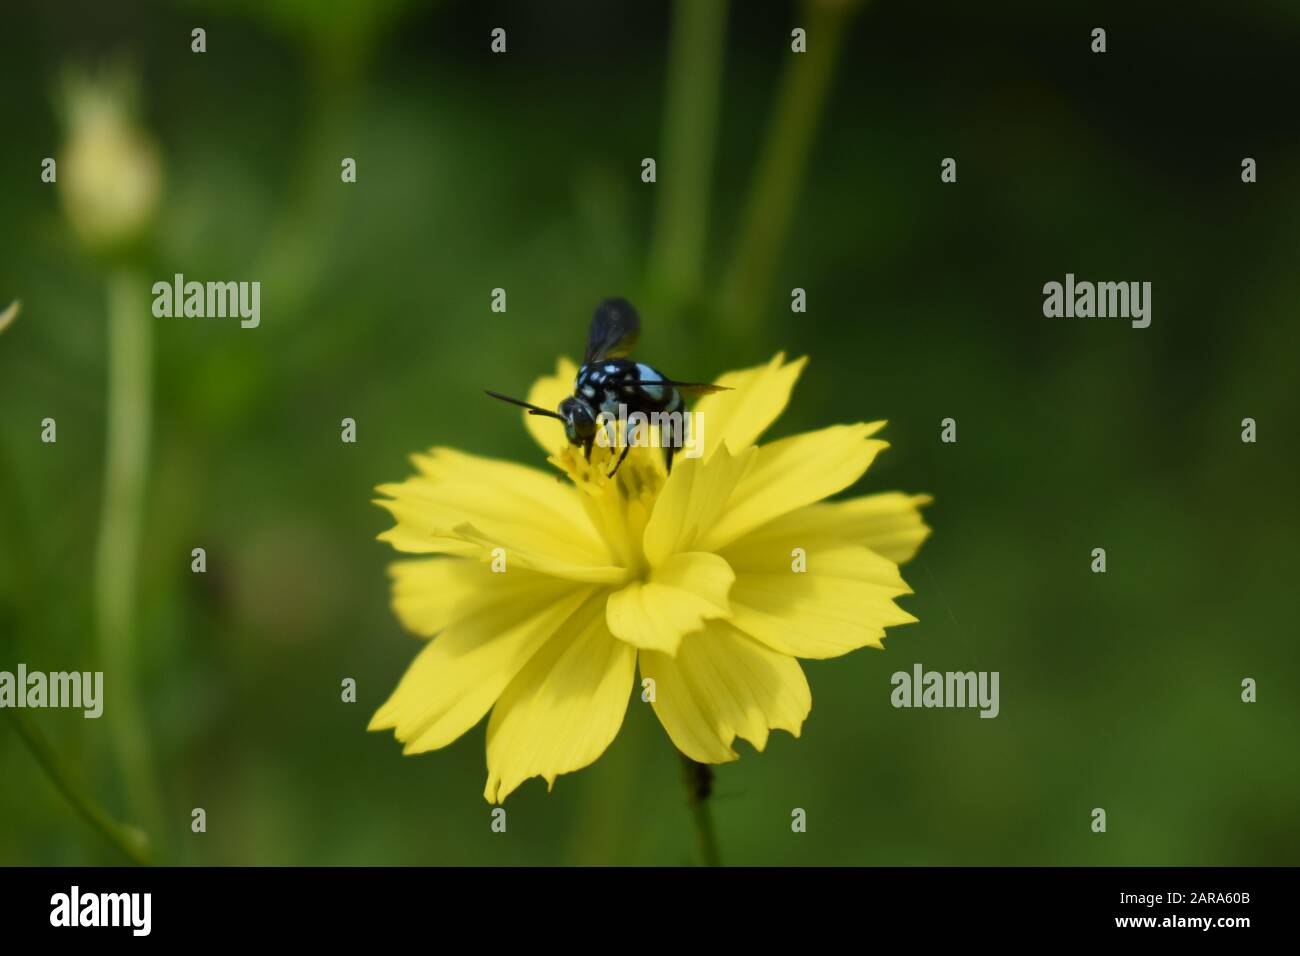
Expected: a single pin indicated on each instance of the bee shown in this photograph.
(609, 381)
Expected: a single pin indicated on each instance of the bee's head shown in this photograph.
(579, 419)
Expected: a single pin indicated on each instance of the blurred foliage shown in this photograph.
(1118, 690)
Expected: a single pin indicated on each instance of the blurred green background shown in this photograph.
(522, 171)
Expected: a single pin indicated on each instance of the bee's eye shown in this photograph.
(579, 419)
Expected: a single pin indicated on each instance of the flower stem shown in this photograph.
(130, 840)
(783, 158)
(698, 778)
(690, 122)
(130, 361)
(28, 589)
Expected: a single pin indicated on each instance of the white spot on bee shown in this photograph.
(647, 375)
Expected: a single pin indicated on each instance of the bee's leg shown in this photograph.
(627, 447)
(667, 441)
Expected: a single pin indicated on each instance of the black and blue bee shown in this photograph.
(608, 380)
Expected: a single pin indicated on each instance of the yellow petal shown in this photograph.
(723, 685)
(543, 560)
(680, 595)
(413, 534)
(9, 314)
(757, 398)
(564, 708)
(547, 392)
(794, 472)
(890, 524)
(691, 501)
(431, 594)
(490, 504)
(459, 674)
(842, 600)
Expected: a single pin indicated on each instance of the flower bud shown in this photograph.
(110, 173)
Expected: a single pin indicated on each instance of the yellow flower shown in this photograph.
(694, 578)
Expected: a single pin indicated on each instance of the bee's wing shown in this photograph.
(614, 330)
(694, 388)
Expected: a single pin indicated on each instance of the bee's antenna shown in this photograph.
(532, 409)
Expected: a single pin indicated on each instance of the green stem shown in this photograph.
(698, 778)
(130, 840)
(690, 120)
(783, 160)
(130, 365)
(29, 590)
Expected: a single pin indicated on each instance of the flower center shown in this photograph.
(619, 506)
